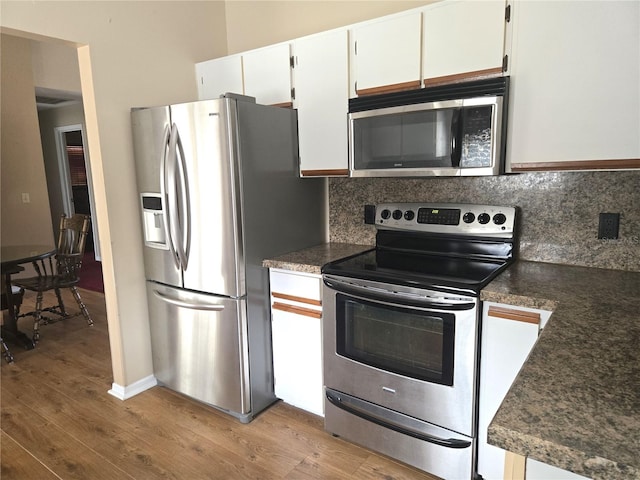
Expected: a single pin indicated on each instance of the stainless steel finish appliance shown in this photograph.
(219, 192)
(451, 130)
(401, 332)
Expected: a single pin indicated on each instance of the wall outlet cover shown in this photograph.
(608, 226)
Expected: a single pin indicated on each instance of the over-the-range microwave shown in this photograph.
(450, 130)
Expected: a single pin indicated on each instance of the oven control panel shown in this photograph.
(453, 218)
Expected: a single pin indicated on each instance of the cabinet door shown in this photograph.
(321, 97)
(463, 39)
(506, 343)
(297, 360)
(574, 97)
(296, 316)
(386, 54)
(218, 76)
(267, 74)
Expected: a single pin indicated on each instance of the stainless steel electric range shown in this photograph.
(401, 332)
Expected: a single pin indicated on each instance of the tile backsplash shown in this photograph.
(558, 211)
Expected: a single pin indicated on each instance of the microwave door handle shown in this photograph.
(456, 140)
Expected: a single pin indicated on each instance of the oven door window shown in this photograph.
(415, 343)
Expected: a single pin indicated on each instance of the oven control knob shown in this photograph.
(468, 217)
(484, 218)
(499, 218)
(408, 215)
(385, 214)
(397, 214)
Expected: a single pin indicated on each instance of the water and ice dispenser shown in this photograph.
(153, 221)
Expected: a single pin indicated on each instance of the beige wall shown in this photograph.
(21, 152)
(55, 66)
(253, 24)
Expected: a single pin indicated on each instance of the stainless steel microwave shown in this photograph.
(452, 130)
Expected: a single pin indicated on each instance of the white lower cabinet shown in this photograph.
(508, 335)
(296, 316)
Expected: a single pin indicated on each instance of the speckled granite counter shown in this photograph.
(576, 402)
(310, 260)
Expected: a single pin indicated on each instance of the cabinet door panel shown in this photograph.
(219, 76)
(387, 52)
(322, 91)
(267, 74)
(574, 82)
(505, 347)
(297, 360)
(462, 37)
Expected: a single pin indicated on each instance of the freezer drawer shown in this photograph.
(199, 346)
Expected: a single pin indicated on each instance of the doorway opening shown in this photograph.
(77, 197)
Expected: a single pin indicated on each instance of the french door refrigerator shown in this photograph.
(219, 192)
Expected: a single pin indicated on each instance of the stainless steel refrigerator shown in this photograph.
(219, 192)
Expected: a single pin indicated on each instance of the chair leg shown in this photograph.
(6, 353)
(82, 306)
(63, 311)
(38, 318)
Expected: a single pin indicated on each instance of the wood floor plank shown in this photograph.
(19, 464)
(60, 452)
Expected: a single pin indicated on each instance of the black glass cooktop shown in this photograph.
(418, 269)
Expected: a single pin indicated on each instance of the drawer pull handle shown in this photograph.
(307, 312)
(513, 314)
(293, 298)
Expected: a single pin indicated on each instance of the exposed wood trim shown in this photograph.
(396, 87)
(307, 312)
(462, 77)
(513, 314)
(283, 105)
(514, 466)
(294, 298)
(325, 173)
(614, 164)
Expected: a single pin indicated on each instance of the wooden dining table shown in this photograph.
(12, 258)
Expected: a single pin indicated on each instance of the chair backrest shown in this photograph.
(73, 233)
(71, 242)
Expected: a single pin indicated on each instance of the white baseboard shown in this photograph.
(124, 393)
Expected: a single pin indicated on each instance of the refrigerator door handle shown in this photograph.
(184, 304)
(172, 201)
(165, 174)
(183, 201)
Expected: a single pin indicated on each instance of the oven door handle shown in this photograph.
(366, 415)
(396, 298)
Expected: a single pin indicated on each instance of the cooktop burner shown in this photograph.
(426, 245)
(417, 270)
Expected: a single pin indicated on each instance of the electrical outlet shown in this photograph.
(608, 226)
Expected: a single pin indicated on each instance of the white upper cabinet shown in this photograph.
(574, 94)
(267, 74)
(321, 83)
(385, 54)
(463, 39)
(218, 76)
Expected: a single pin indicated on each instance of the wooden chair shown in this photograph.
(59, 271)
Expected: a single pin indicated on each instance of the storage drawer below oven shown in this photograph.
(363, 423)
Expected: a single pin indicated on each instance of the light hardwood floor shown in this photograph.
(59, 422)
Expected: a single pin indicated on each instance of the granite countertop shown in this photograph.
(576, 402)
(311, 260)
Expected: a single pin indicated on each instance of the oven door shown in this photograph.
(410, 350)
